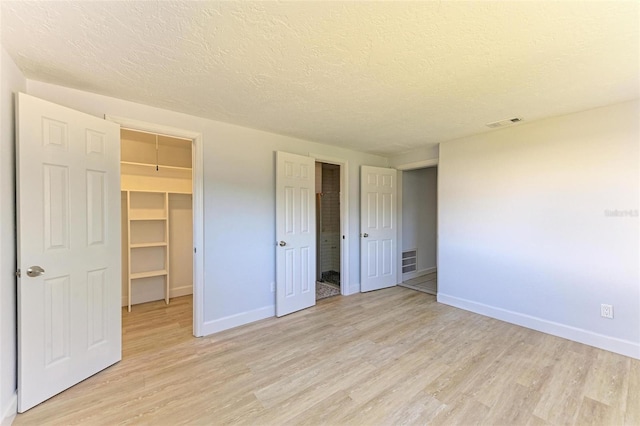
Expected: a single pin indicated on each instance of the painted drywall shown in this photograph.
(418, 158)
(419, 215)
(12, 81)
(538, 225)
(239, 199)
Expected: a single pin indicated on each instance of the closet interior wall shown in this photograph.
(157, 217)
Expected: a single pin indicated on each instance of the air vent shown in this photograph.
(409, 260)
(506, 122)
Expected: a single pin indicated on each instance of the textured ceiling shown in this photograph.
(381, 77)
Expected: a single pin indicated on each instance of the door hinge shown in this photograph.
(18, 273)
(195, 250)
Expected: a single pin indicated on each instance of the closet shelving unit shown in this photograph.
(148, 237)
(148, 186)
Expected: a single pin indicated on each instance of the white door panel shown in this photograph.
(68, 199)
(295, 232)
(378, 235)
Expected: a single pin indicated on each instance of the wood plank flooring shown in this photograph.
(427, 283)
(393, 356)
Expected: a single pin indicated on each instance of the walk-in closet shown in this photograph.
(157, 218)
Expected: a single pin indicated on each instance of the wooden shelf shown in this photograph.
(143, 245)
(150, 207)
(153, 166)
(143, 177)
(156, 191)
(148, 274)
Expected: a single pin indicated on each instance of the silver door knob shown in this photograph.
(282, 244)
(35, 271)
(365, 235)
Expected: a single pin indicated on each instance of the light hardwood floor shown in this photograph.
(393, 356)
(427, 283)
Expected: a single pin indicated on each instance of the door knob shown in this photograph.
(35, 271)
(282, 244)
(365, 235)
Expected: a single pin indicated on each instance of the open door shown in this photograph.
(295, 232)
(68, 207)
(378, 222)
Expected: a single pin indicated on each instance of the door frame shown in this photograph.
(345, 288)
(198, 204)
(423, 164)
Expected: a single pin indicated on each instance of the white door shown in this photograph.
(295, 232)
(378, 224)
(68, 201)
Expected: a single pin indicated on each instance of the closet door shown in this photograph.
(68, 188)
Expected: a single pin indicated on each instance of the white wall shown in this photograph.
(239, 205)
(12, 81)
(420, 157)
(523, 230)
(419, 214)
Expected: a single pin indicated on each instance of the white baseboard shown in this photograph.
(215, 326)
(612, 344)
(152, 296)
(416, 274)
(184, 290)
(9, 412)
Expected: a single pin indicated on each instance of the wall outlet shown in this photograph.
(606, 311)
(273, 287)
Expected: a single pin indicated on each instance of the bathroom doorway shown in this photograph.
(328, 230)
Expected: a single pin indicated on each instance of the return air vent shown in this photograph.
(506, 122)
(409, 260)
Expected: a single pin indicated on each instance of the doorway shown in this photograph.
(328, 230)
(296, 236)
(196, 138)
(419, 229)
(157, 217)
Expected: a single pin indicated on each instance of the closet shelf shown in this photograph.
(148, 274)
(143, 245)
(153, 191)
(153, 166)
(143, 177)
(148, 214)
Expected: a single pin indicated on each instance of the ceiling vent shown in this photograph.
(506, 122)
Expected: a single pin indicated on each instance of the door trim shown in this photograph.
(198, 205)
(345, 289)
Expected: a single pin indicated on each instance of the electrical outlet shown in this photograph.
(273, 287)
(606, 311)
